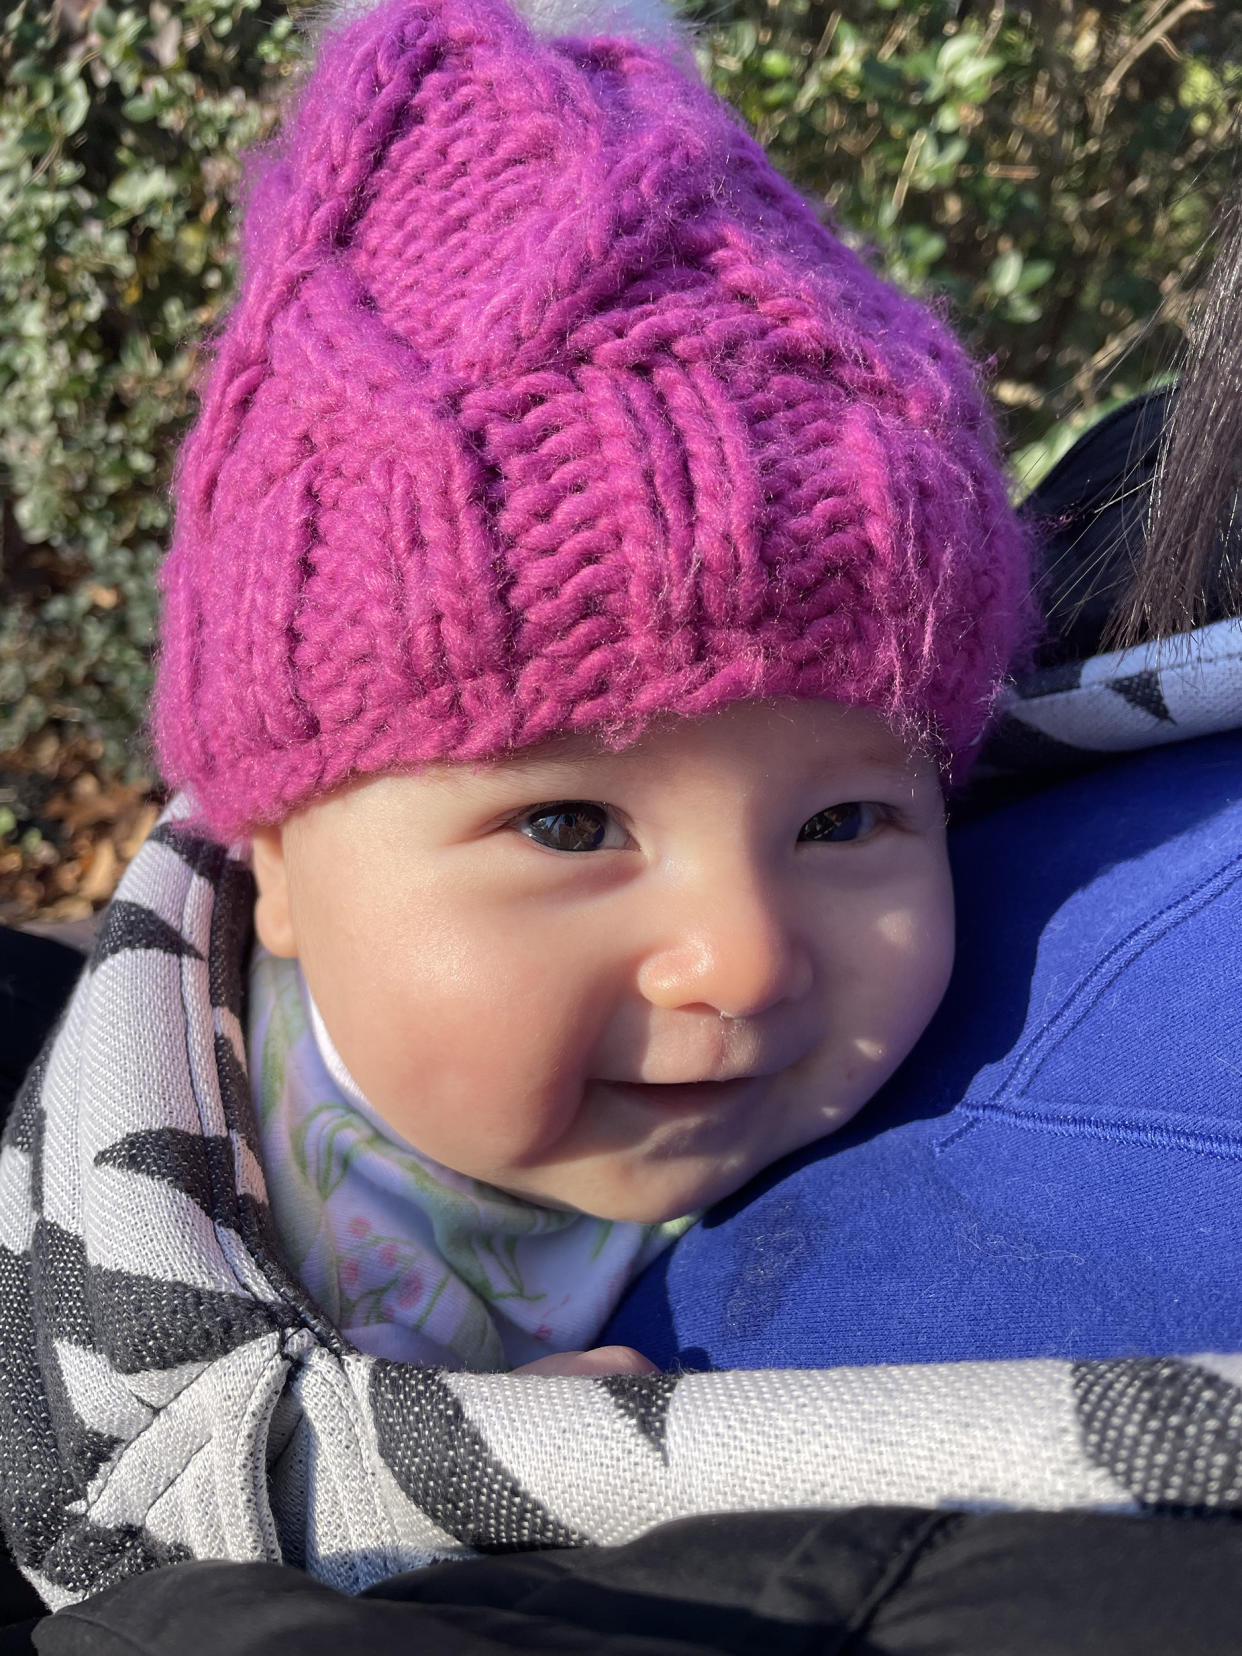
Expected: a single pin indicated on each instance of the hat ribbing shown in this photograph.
(548, 406)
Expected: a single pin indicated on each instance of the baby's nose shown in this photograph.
(730, 950)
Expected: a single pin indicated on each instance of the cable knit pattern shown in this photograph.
(547, 405)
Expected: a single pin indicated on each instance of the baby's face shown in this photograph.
(624, 983)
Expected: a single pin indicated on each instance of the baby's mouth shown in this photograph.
(690, 1096)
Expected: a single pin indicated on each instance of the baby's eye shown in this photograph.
(852, 821)
(571, 825)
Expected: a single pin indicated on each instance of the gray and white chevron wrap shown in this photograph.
(168, 1391)
(1071, 716)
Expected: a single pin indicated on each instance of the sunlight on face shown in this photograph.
(625, 982)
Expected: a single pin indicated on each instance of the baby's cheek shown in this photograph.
(478, 1081)
(918, 940)
(891, 977)
(913, 966)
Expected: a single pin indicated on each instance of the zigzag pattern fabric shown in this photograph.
(1069, 717)
(547, 405)
(167, 1390)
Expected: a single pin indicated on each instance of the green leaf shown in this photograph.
(744, 39)
(965, 65)
(136, 190)
(141, 108)
(1006, 272)
(1035, 272)
(1020, 309)
(778, 96)
(74, 108)
(958, 49)
(776, 65)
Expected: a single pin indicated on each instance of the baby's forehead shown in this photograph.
(776, 738)
(752, 762)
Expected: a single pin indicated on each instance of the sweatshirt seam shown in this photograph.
(1005, 1102)
(1218, 1147)
(1150, 931)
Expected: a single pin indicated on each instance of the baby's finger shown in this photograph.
(602, 1360)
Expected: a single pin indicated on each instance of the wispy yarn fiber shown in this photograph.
(546, 405)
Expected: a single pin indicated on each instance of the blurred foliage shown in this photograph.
(119, 132)
(1053, 169)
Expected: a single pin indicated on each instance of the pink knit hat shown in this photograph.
(548, 406)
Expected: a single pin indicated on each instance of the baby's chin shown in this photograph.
(680, 1159)
(655, 1201)
(621, 1206)
(655, 1191)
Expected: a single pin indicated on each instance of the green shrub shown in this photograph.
(1053, 170)
(119, 132)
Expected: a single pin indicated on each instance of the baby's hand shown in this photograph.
(603, 1360)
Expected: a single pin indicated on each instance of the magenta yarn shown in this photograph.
(546, 405)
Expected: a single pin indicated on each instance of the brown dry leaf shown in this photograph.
(100, 825)
(45, 753)
(146, 819)
(43, 855)
(101, 876)
(70, 908)
(28, 893)
(88, 802)
(65, 879)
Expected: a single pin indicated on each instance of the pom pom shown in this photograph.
(656, 22)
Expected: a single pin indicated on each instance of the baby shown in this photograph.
(587, 573)
(617, 984)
